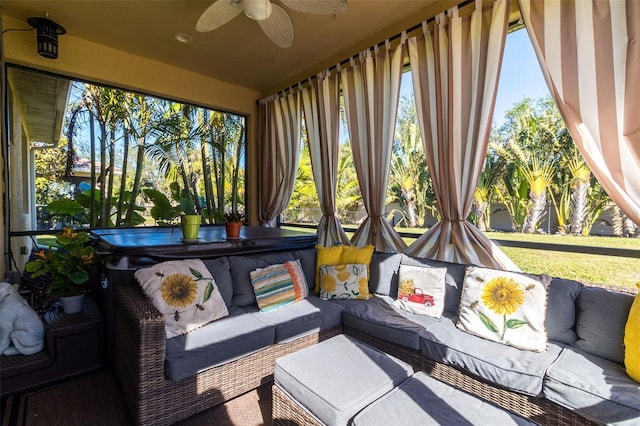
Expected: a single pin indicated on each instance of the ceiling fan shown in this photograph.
(273, 19)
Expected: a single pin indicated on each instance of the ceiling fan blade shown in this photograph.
(318, 7)
(278, 27)
(218, 14)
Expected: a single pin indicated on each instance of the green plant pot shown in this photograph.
(190, 226)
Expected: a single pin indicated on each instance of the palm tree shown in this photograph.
(410, 183)
(539, 176)
(485, 192)
(143, 122)
(348, 195)
(580, 185)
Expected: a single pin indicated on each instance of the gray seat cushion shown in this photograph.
(241, 267)
(384, 273)
(216, 343)
(336, 378)
(423, 400)
(512, 368)
(602, 317)
(298, 319)
(598, 389)
(307, 258)
(377, 318)
(561, 310)
(221, 272)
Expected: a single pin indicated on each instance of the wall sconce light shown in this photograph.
(47, 33)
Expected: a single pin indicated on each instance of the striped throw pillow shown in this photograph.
(299, 281)
(273, 287)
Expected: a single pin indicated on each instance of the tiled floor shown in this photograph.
(96, 399)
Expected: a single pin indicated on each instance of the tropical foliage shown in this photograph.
(532, 167)
(141, 150)
(67, 265)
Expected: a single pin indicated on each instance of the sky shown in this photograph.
(520, 76)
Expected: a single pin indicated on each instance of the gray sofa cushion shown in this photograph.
(221, 272)
(301, 318)
(512, 368)
(307, 259)
(384, 273)
(338, 377)
(602, 316)
(596, 388)
(423, 400)
(453, 280)
(216, 343)
(377, 318)
(241, 267)
(561, 310)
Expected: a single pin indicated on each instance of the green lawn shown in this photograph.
(587, 268)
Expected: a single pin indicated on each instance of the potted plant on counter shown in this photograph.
(233, 224)
(68, 264)
(190, 220)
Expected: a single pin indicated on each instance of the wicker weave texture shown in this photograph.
(154, 399)
(539, 410)
(287, 412)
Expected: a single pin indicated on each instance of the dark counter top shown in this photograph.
(167, 242)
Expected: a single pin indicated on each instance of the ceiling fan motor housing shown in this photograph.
(258, 10)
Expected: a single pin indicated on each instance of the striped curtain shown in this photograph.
(371, 89)
(321, 105)
(280, 149)
(589, 52)
(455, 67)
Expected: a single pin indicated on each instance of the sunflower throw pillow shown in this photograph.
(185, 292)
(348, 281)
(505, 307)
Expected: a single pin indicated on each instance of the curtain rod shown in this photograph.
(397, 36)
(380, 44)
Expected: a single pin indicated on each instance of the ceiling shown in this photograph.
(238, 52)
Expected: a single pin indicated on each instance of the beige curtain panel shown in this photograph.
(321, 106)
(371, 89)
(455, 67)
(589, 52)
(280, 150)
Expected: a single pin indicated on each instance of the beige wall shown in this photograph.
(86, 60)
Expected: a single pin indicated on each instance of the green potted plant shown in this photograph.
(233, 223)
(68, 265)
(190, 220)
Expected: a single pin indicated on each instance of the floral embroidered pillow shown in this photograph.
(347, 281)
(421, 290)
(185, 292)
(505, 307)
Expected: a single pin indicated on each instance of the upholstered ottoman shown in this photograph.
(423, 400)
(329, 383)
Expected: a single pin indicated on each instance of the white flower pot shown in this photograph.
(72, 304)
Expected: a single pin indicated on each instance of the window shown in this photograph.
(87, 155)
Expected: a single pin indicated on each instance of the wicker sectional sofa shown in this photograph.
(580, 379)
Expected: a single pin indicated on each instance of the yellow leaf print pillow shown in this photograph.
(505, 307)
(185, 292)
(347, 281)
